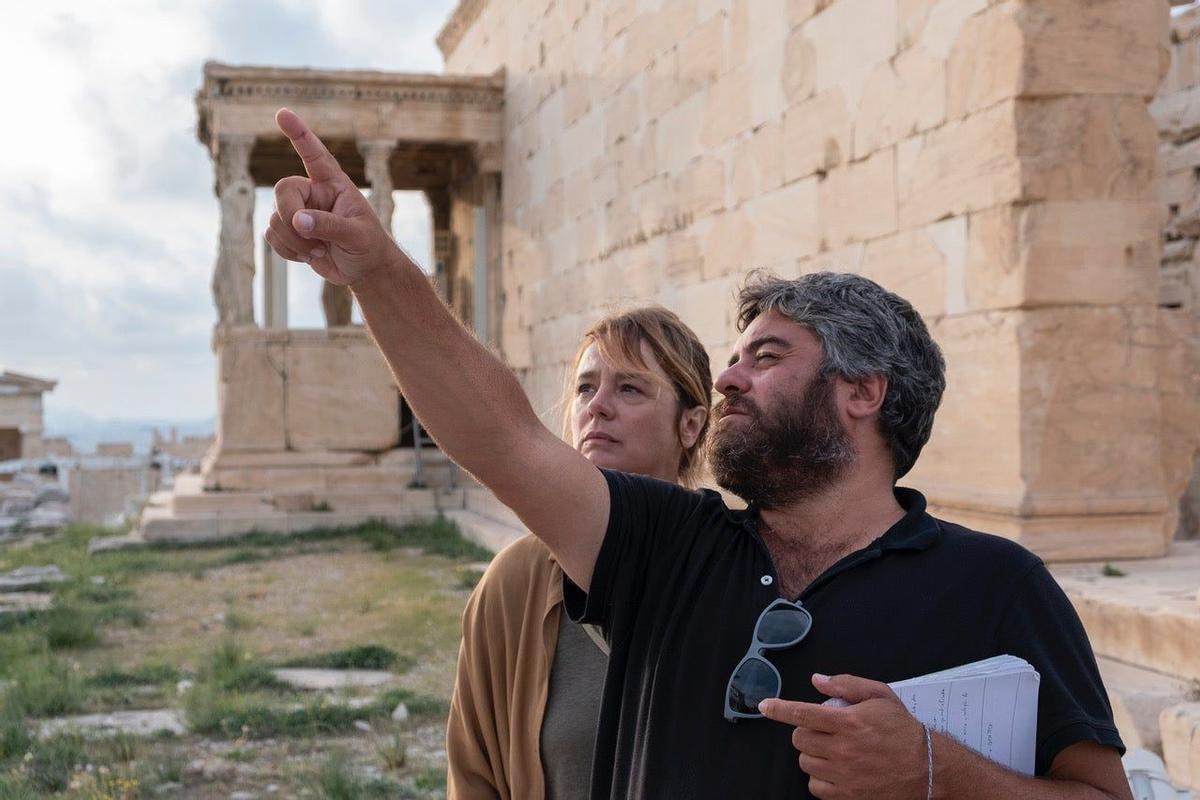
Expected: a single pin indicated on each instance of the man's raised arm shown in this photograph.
(464, 396)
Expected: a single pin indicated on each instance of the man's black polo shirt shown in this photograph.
(681, 579)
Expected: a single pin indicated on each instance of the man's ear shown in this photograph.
(864, 397)
(691, 422)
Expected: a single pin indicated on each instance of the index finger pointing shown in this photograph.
(318, 162)
(801, 715)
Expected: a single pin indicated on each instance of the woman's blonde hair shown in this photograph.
(619, 337)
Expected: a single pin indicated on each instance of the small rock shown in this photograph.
(168, 788)
(272, 788)
(99, 580)
(243, 796)
(362, 725)
(196, 766)
(400, 713)
(183, 685)
(31, 578)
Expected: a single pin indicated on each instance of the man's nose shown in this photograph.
(732, 380)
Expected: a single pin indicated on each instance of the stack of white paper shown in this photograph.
(989, 706)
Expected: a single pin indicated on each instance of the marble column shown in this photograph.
(233, 279)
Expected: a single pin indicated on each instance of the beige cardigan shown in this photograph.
(510, 629)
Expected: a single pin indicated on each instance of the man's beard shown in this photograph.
(774, 459)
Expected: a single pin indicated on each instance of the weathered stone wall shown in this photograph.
(99, 494)
(1177, 112)
(24, 412)
(991, 161)
(303, 390)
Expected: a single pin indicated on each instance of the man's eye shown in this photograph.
(764, 356)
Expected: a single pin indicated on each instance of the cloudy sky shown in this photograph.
(110, 216)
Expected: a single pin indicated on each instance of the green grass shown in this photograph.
(144, 675)
(229, 668)
(369, 656)
(15, 787)
(225, 714)
(1109, 571)
(44, 686)
(335, 780)
(54, 760)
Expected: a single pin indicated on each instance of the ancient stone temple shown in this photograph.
(992, 161)
(310, 427)
(21, 418)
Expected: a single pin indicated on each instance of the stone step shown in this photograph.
(320, 478)
(131, 723)
(484, 503)
(324, 680)
(485, 531)
(183, 529)
(1148, 616)
(1138, 698)
(1181, 744)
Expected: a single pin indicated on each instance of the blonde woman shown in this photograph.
(527, 692)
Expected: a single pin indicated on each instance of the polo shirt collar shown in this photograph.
(916, 530)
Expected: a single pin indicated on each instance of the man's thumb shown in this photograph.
(323, 225)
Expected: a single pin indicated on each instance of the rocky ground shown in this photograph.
(314, 666)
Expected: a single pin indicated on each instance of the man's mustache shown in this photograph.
(736, 403)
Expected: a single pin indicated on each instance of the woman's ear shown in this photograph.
(691, 422)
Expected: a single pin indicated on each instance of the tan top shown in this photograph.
(510, 629)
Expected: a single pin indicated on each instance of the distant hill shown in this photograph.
(84, 430)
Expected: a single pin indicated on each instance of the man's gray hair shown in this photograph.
(864, 330)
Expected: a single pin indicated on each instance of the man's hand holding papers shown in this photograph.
(872, 747)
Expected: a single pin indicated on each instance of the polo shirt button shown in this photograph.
(766, 580)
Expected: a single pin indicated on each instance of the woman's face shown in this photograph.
(630, 421)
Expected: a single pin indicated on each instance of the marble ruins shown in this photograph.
(1027, 173)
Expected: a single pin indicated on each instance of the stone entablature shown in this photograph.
(351, 104)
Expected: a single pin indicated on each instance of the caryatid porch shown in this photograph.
(311, 419)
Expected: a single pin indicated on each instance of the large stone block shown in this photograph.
(700, 189)
(727, 244)
(1098, 253)
(816, 135)
(250, 369)
(850, 38)
(1181, 743)
(728, 108)
(784, 224)
(960, 167)
(1086, 148)
(920, 264)
(706, 307)
(1031, 389)
(757, 163)
(1073, 47)
(339, 394)
(902, 97)
(858, 200)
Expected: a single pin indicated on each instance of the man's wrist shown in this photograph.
(385, 273)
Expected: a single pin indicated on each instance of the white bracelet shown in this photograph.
(929, 753)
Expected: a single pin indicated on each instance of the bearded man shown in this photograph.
(713, 614)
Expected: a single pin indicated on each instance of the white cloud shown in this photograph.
(112, 225)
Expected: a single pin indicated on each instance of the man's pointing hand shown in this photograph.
(323, 219)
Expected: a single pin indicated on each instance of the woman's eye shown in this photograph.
(584, 388)
(630, 388)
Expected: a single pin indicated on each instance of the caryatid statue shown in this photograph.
(233, 278)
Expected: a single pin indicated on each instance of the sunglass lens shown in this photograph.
(783, 626)
(753, 682)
